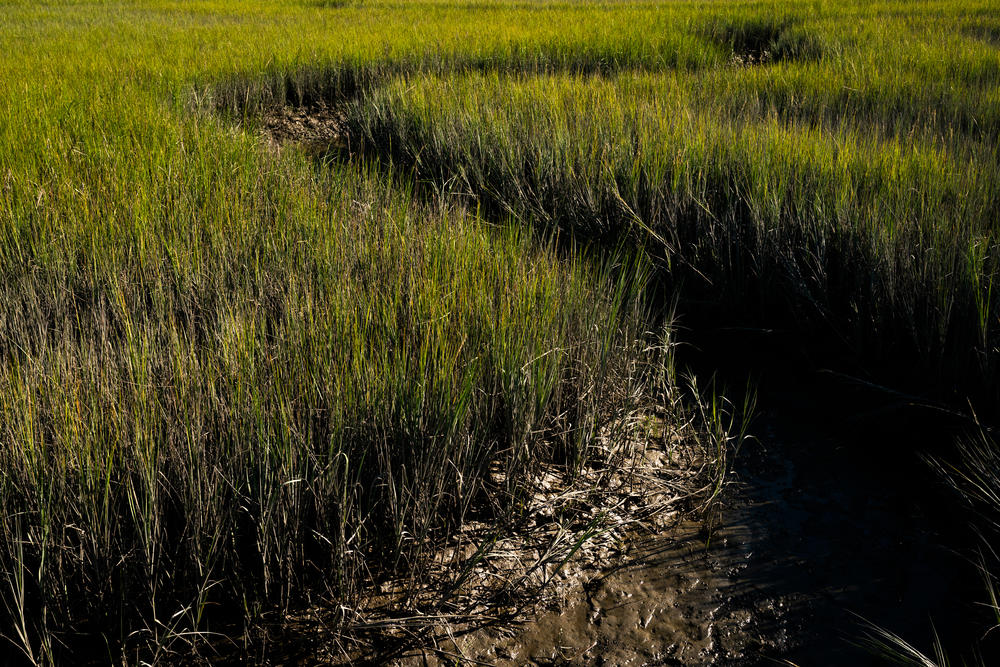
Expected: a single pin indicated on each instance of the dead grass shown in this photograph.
(319, 126)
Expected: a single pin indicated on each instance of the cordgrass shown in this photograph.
(235, 382)
(272, 398)
(238, 383)
(779, 191)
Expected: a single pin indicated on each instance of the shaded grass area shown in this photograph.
(886, 243)
(832, 173)
(863, 215)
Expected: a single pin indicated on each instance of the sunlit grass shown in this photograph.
(235, 379)
(885, 239)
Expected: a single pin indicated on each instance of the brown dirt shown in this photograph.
(319, 127)
(660, 606)
(587, 576)
(552, 586)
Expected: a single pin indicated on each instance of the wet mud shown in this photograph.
(314, 129)
(814, 537)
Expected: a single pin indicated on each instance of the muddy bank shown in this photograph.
(317, 128)
(825, 523)
(814, 535)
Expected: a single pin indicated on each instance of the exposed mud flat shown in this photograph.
(316, 127)
(810, 540)
(539, 593)
(669, 601)
(662, 606)
(553, 570)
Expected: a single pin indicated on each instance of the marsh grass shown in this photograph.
(882, 245)
(292, 412)
(235, 383)
(834, 173)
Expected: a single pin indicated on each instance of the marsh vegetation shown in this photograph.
(294, 293)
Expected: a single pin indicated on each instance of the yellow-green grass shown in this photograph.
(235, 382)
(854, 189)
(239, 380)
(889, 240)
(285, 382)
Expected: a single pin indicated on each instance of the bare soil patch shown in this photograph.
(319, 126)
(507, 595)
(558, 585)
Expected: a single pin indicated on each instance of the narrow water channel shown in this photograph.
(830, 519)
(834, 519)
(823, 529)
(824, 524)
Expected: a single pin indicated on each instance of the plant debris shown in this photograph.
(490, 584)
(319, 126)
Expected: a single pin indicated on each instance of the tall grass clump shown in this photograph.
(883, 245)
(286, 403)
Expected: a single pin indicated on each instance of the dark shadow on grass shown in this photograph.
(759, 41)
(743, 283)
